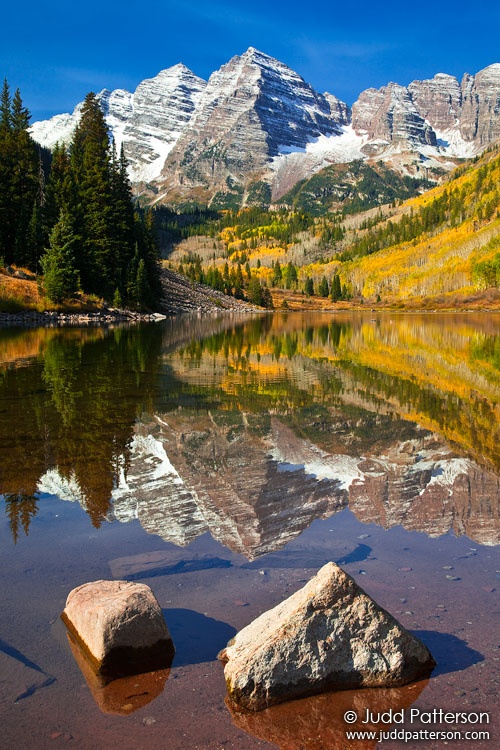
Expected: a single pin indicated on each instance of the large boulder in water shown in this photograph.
(120, 628)
(329, 635)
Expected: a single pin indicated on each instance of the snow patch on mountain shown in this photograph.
(338, 468)
(445, 472)
(59, 129)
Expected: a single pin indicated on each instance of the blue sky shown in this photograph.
(56, 52)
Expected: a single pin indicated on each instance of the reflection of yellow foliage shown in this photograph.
(437, 357)
(31, 344)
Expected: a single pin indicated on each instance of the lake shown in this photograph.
(222, 461)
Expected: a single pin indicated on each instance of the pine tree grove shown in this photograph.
(72, 216)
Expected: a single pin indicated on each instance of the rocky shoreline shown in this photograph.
(52, 319)
(180, 296)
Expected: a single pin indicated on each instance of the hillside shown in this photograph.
(351, 188)
(444, 242)
(440, 248)
(20, 292)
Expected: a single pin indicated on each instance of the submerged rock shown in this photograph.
(119, 627)
(329, 635)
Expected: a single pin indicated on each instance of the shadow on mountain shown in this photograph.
(197, 638)
(452, 654)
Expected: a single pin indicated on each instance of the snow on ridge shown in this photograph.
(151, 170)
(450, 142)
(346, 146)
(153, 452)
(323, 150)
(445, 472)
(59, 129)
(287, 149)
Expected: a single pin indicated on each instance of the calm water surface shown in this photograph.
(222, 461)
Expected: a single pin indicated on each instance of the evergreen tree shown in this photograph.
(147, 246)
(35, 236)
(92, 202)
(309, 287)
(5, 113)
(258, 294)
(18, 179)
(84, 215)
(336, 290)
(118, 249)
(254, 291)
(277, 274)
(122, 217)
(266, 298)
(60, 189)
(323, 289)
(58, 264)
(290, 276)
(239, 283)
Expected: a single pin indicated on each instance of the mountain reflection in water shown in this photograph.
(252, 428)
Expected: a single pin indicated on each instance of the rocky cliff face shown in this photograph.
(253, 109)
(389, 115)
(256, 120)
(480, 116)
(465, 116)
(438, 100)
(161, 108)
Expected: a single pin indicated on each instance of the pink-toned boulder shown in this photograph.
(119, 627)
(329, 635)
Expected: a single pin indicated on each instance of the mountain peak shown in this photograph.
(255, 53)
(177, 69)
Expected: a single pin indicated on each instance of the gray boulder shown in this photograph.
(120, 628)
(330, 635)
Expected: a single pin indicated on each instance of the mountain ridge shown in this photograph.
(258, 121)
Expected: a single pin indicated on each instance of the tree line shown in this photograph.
(70, 214)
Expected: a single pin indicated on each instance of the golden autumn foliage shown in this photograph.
(451, 229)
(441, 248)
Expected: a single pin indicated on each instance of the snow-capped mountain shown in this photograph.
(257, 122)
(147, 122)
(252, 109)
